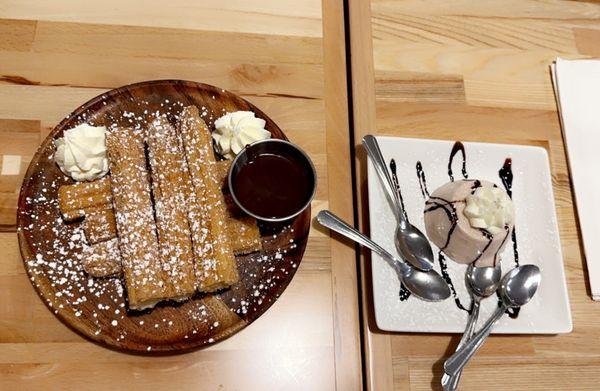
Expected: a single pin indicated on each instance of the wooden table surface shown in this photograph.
(476, 71)
(473, 70)
(285, 56)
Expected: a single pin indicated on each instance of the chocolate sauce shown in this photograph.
(422, 181)
(506, 175)
(434, 203)
(397, 186)
(272, 186)
(476, 185)
(489, 237)
(458, 146)
(501, 244)
(404, 293)
(446, 277)
(450, 210)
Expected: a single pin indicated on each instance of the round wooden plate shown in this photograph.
(97, 308)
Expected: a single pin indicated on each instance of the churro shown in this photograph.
(170, 186)
(74, 200)
(210, 236)
(135, 219)
(99, 225)
(102, 259)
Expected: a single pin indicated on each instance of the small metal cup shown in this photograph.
(272, 147)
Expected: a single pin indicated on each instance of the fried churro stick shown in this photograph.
(210, 237)
(74, 200)
(243, 230)
(170, 186)
(244, 234)
(102, 259)
(135, 220)
(222, 172)
(99, 225)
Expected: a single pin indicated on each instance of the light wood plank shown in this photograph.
(278, 55)
(478, 71)
(344, 267)
(290, 18)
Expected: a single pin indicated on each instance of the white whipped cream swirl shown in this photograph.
(81, 153)
(236, 130)
(490, 208)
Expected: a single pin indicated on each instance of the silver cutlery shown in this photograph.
(427, 285)
(516, 289)
(482, 282)
(411, 243)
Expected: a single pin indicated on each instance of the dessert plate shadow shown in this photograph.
(537, 238)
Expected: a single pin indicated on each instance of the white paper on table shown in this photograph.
(577, 86)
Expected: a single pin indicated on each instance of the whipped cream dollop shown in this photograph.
(81, 153)
(490, 208)
(234, 131)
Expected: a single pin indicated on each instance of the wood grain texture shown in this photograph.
(477, 71)
(378, 366)
(273, 54)
(343, 264)
(267, 16)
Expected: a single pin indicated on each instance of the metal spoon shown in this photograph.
(411, 243)
(425, 285)
(482, 282)
(517, 288)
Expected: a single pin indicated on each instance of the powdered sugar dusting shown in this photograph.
(56, 263)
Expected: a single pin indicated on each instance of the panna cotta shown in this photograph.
(470, 220)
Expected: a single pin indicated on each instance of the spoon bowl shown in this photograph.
(517, 288)
(412, 244)
(414, 247)
(519, 285)
(416, 280)
(428, 285)
(483, 281)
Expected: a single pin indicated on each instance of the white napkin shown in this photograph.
(577, 87)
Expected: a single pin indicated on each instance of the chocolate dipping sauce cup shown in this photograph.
(280, 148)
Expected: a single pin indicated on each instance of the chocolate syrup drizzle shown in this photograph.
(404, 293)
(489, 237)
(422, 181)
(397, 186)
(434, 203)
(506, 175)
(458, 146)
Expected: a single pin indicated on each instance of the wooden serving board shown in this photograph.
(97, 308)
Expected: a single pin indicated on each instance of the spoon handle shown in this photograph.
(458, 360)
(470, 329)
(334, 223)
(449, 382)
(372, 146)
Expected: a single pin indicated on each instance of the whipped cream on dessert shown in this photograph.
(469, 220)
(81, 153)
(235, 130)
(489, 208)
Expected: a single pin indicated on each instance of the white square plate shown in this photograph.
(535, 225)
